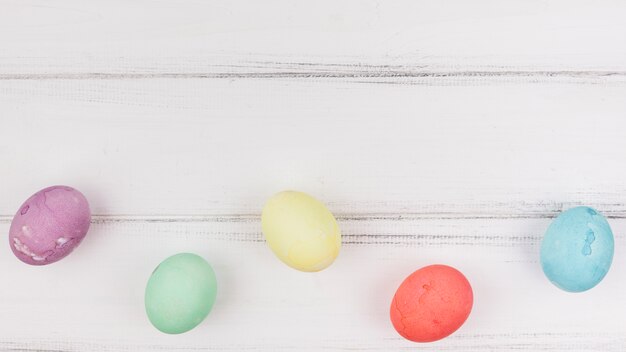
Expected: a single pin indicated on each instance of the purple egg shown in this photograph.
(49, 225)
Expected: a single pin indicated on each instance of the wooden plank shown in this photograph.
(147, 37)
(93, 300)
(186, 147)
(438, 132)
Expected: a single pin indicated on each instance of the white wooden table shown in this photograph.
(437, 131)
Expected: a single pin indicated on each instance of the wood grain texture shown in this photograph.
(438, 132)
(212, 146)
(155, 37)
(93, 300)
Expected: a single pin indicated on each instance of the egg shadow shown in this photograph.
(380, 290)
(96, 197)
(531, 251)
(228, 276)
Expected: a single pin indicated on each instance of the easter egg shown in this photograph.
(49, 225)
(301, 231)
(431, 303)
(577, 249)
(180, 293)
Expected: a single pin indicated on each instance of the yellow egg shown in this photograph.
(301, 231)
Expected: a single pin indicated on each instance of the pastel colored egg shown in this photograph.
(577, 249)
(180, 293)
(49, 225)
(431, 303)
(301, 231)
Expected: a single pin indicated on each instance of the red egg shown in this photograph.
(431, 303)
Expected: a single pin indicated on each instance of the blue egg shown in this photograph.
(577, 250)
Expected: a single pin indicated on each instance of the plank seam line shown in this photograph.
(243, 218)
(392, 74)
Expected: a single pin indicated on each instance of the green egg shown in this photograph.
(180, 293)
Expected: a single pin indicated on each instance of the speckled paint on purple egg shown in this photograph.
(49, 225)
